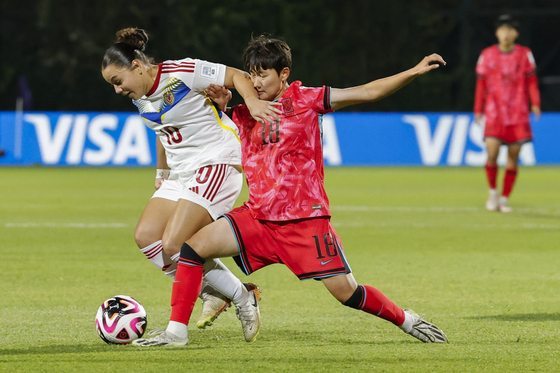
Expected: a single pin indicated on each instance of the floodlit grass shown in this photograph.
(420, 235)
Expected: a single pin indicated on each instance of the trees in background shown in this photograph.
(57, 45)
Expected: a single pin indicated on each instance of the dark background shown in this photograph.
(55, 47)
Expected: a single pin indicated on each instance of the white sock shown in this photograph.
(156, 255)
(178, 329)
(172, 269)
(408, 323)
(217, 275)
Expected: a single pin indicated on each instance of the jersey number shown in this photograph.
(173, 135)
(330, 247)
(273, 132)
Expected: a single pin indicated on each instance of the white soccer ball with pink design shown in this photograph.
(120, 320)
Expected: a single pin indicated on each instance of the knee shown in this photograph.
(144, 236)
(170, 245)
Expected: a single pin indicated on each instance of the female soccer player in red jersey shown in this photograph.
(506, 79)
(287, 217)
(199, 159)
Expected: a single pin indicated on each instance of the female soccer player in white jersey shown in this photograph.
(199, 158)
(287, 217)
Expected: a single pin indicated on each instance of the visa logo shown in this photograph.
(456, 130)
(88, 141)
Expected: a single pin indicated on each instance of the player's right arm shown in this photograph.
(261, 111)
(480, 90)
(162, 172)
(220, 96)
(479, 95)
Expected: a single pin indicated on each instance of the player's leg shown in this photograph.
(368, 299)
(149, 231)
(510, 176)
(245, 298)
(211, 193)
(148, 235)
(214, 240)
(493, 148)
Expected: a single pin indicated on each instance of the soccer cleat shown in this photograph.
(492, 201)
(425, 331)
(249, 313)
(162, 338)
(503, 207)
(213, 304)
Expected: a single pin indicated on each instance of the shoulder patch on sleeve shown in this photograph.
(208, 71)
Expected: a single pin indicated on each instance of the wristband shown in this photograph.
(162, 173)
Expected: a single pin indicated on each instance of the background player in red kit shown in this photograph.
(287, 217)
(506, 78)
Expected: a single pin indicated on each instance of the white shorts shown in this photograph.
(215, 187)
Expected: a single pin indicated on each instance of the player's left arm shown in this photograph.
(532, 84)
(534, 94)
(262, 111)
(384, 87)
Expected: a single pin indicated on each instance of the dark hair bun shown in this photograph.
(134, 37)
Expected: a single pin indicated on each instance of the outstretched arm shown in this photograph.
(262, 111)
(380, 88)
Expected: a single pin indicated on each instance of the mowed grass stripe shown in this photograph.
(420, 235)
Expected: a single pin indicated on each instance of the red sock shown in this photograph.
(509, 180)
(491, 174)
(186, 287)
(371, 300)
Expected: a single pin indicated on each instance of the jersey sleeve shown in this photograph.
(480, 66)
(319, 99)
(531, 66)
(206, 73)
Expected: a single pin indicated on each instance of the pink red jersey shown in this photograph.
(504, 83)
(283, 160)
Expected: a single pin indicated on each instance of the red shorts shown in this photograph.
(310, 248)
(516, 133)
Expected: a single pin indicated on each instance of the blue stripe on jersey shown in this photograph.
(321, 127)
(179, 91)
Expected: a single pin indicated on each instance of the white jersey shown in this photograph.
(192, 130)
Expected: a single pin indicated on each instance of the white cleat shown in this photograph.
(213, 304)
(504, 205)
(492, 203)
(249, 313)
(425, 331)
(162, 338)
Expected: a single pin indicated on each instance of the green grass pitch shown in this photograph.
(420, 235)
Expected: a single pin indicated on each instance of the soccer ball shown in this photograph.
(120, 320)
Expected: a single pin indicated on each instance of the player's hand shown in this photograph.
(158, 183)
(161, 174)
(220, 95)
(537, 111)
(263, 111)
(478, 119)
(429, 63)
